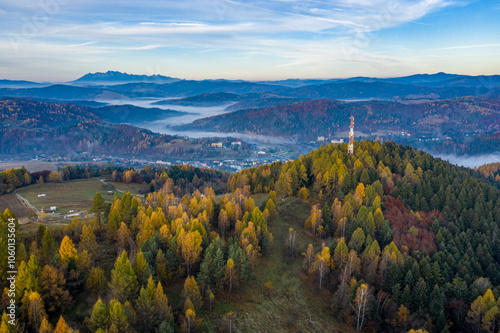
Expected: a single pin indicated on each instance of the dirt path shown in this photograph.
(27, 203)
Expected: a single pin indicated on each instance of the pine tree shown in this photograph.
(124, 283)
(49, 246)
(118, 317)
(99, 319)
(191, 249)
(123, 235)
(45, 327)
(98, 205)
(160, 302)
(162, 267)
(88, 241)
(146, 311)
(96, 281)
(53, 292)
(420, 296)
(140, 264)
(401, 319)
(5, 327)
(62, 327)
(192, 292)
(271, 207)
(114, 222)
(67, 252)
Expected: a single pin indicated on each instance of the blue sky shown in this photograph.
(61, 40)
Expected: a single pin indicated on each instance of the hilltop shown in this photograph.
(387, 239)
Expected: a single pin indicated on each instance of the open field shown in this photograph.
(74, 195)
(295, 305)
(132, 188)
(11, 202)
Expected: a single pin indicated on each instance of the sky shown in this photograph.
(61, 40)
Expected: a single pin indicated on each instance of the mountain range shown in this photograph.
(116, 85)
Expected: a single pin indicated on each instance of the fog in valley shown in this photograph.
(470, 161)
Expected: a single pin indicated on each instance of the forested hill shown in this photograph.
(416, 234)
(29, 128)
(310, 119)
(388, 239)
(27, 113)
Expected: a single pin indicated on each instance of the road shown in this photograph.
(27, 203)
(114, 188)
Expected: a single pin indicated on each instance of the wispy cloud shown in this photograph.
(308, 36)
(467, 47)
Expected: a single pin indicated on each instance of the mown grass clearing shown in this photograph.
(73, 195)
(295, 305)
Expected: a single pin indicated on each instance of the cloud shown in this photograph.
(311, 35)
(467, 47)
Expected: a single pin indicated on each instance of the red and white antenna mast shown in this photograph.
(350, 148)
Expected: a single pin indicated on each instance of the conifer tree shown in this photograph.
(191, 249)
(49, 246)
(96, 281)
(123, 235)
(98, 205)
(5, 327)
(114, 222)
(124, 283)
(52, 289)
(88, 241)
(146, 311)
(160, 302)
(140, 264)
(118, 317)
(192, 292)
(99, 319)
(45, 327)
(62, 327)
(67, 252)
(162, 267)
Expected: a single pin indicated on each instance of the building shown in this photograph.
(334, 141)
(321, 139)
(217, 144)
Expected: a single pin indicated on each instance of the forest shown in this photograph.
(30, 128)
(393, 240)
(464, 125)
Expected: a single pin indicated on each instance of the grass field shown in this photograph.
(132, 188)
(295, 305)
(11, 202)
(74, 195)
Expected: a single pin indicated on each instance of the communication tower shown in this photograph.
(350, 148)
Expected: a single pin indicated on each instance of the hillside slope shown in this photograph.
(328, 117)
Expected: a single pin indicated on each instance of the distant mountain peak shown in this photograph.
(119, 77)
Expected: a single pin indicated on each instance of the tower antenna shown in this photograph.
(350, 148)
